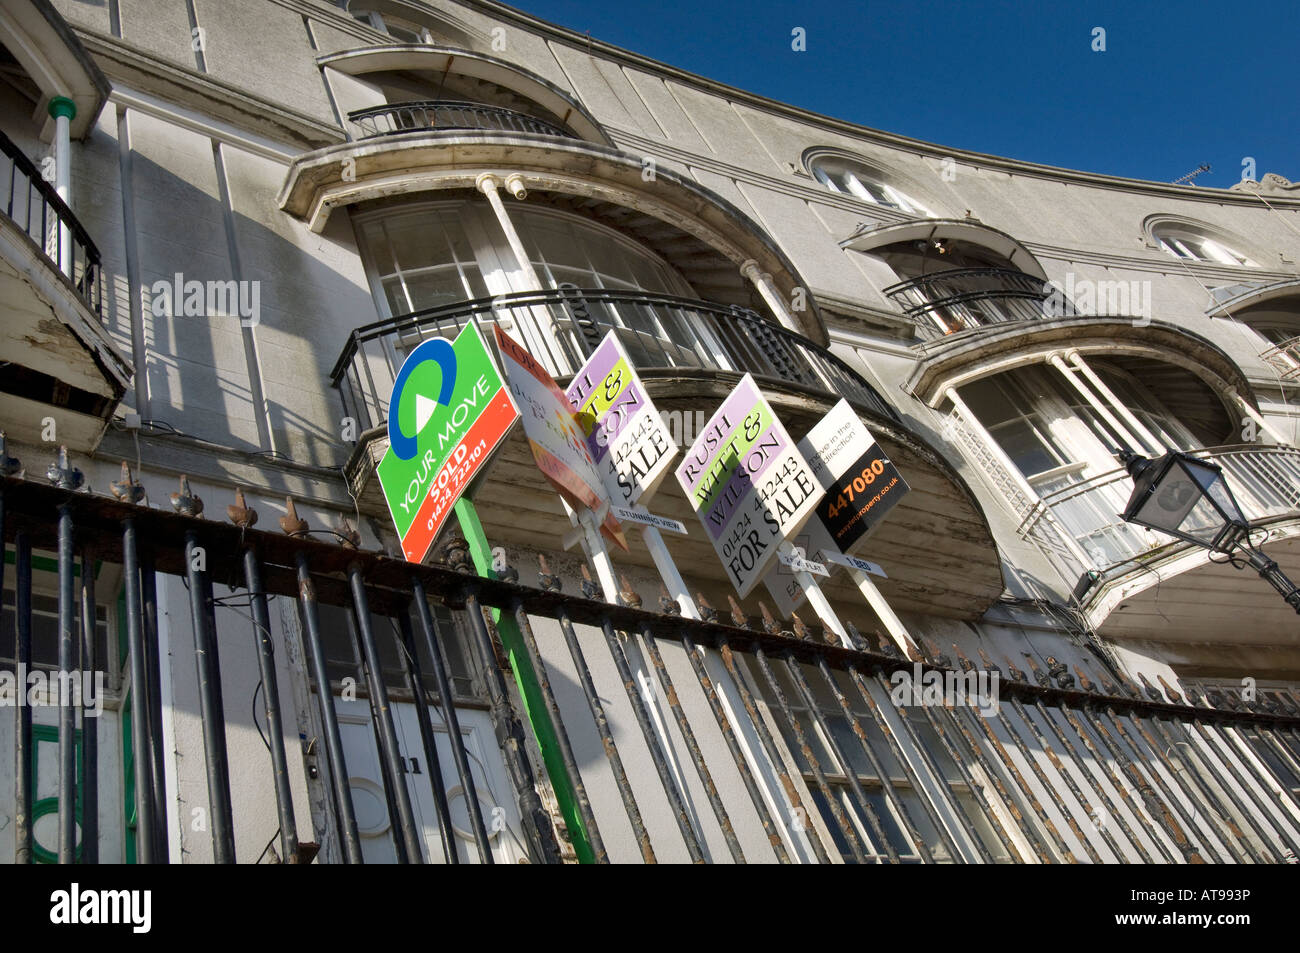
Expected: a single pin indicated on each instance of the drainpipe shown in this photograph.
(767, 289)
(1097, 405)
(1076, 360)
(63, 109)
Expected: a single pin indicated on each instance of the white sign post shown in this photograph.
(860, 485)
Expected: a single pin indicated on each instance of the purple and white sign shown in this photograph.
(631, 446)
(748, 483)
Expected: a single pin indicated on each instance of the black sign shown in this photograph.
(859, 499)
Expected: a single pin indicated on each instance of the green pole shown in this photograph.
(534, 706)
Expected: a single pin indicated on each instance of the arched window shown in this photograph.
(850, 177)
(1192, 244)
(403, 31)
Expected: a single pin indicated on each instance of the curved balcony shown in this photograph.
(1265, 481)
(658, 331)
(38, 212)
(963, 299)
(60, 362)
(393, 118)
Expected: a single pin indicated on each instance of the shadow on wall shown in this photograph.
(200, 324)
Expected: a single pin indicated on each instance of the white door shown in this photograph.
(496, 798)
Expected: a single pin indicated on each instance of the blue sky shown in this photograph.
(1179, 84)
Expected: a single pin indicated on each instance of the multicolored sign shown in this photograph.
(557, 440)
(748, 483)
(627, 438)
(861, 486)
(861, 483)
(448, 411)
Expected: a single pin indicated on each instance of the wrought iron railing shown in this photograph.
(562, 327)
(1264, 480)
(393, 118)
(1154, 777)
(35, 207)
(1284, 358)
(962, 299)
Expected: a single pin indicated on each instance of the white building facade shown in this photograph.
(229, 221)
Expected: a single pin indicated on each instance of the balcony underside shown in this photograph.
(1213, 617)
(60, 362)
(956, 359)
(935, 545)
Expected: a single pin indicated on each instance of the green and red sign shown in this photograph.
(448, 412)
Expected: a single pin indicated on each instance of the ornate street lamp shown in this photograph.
(1189, 498)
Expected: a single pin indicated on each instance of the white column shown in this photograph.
(1264, 425)
(1076, 359)
(1120, 430)
(542, 325)
(487, 183)
(767, 289)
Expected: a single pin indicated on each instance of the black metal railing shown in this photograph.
(35, 207)
(393, 118)
(865, 776)
(562, 327)
(962, 299)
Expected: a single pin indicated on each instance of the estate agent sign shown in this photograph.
(632, 448)
(559, 446)
(449, 410)
(748, 483)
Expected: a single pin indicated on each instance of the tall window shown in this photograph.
(1014, 413)
(856, 179)
(446, 252)
(872, 785)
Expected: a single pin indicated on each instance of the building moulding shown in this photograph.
(319, 182)
(964, 357)
(933, 229)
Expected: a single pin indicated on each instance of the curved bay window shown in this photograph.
(1059, 424)
(444, 253)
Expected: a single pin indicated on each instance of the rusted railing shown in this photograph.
(1135, 773)
(34, 206)
(1284, 358)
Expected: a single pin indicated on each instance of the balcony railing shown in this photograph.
(393, 118)
(966, 298)
(658, 331)
(1264, 480)
(34, 206)
(1284, 358)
